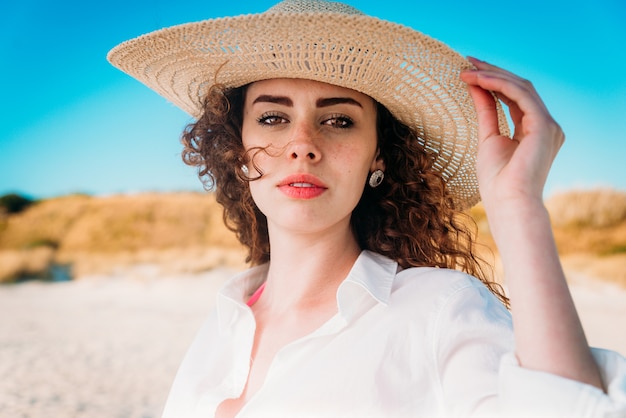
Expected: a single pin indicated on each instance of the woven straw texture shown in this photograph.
(413, 75)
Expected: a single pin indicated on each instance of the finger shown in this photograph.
(478, 63)
(485, 66)
(514, 110)
(486, 112)
(487, 70)
(512, 90)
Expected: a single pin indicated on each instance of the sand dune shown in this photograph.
(109, 346)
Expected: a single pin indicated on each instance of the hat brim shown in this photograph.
(415, 76)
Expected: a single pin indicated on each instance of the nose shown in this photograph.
(301, 152)
(303, 145)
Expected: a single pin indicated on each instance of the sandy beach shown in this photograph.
(110, 346)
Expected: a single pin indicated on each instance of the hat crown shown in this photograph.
(413, 75)
(313, 6)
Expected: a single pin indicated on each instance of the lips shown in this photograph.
(302, 186)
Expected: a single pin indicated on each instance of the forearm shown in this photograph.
(548, 332)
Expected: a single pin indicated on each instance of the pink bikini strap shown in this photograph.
(256, 295)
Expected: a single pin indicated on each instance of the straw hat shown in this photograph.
(413, 75)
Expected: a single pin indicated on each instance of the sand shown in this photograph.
(110, 346)
(97, 347)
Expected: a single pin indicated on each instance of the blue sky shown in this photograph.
(71, 123)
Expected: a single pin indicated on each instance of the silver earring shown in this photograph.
(244, 169)
(376, 178)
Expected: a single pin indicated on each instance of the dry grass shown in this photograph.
(25, 262)
(44, 223)
(179, 232)
(589, 227)
(119, 223)
(590, 231)
(609, 268)
(184, 232)
(591, 222)
(599, 208)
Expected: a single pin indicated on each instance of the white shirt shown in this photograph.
(422, 342)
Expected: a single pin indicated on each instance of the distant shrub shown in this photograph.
(42, 242)
(599, 208)
(614, 250)
(17, 264)
(14, 203)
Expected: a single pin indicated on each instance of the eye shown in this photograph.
(269, 119)
(338, 121)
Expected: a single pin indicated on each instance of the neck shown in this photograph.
(306, 269)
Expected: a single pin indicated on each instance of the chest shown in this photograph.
(270, 337)
(356, 371)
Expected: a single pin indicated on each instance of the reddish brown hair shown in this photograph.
(409, 218)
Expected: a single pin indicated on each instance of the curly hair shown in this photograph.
(409, 218)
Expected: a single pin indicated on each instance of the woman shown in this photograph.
(343, 162)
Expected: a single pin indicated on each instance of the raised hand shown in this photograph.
(511, 175)
(517, 167)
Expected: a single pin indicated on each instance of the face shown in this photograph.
(319, 144)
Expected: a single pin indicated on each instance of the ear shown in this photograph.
(377, 163)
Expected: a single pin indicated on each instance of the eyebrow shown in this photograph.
(337, 100)
(323, 102)
(266, 98)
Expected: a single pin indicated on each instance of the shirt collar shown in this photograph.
(232, 297)
(371, 275)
